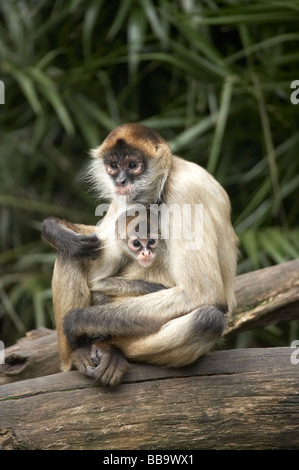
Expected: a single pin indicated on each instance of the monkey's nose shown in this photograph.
(146, 253)
(121, 180)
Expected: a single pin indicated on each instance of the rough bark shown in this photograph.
(34, 355)
(266, 296)
(238, 399)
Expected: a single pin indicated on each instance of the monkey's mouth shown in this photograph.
(127, 191)
(146, 262)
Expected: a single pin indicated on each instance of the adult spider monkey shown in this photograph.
(171, 326)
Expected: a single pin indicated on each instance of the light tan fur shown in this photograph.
(195, 277)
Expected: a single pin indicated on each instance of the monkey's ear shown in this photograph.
(162, 151)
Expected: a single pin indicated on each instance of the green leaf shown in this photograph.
(119, 18)
(194, 132)
(51, 94)
(89, 23)
(92, 110)
(153, 18)
(223, 114)
(250, 243)
(27, 87)
(136, 38)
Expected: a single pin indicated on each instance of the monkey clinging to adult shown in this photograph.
(171, 326)
(126, 249)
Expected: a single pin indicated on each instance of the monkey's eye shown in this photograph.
(132, 165)
(113, 165)
(136, 243)
(152, 242)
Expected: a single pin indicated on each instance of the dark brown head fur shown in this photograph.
(135, 136)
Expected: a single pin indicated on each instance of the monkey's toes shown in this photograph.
(90, 372)
(96, 355)
(112, 365)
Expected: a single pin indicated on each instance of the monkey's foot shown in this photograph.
(81, 360)
(109, 364)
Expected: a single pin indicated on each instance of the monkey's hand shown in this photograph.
(110, 364)
(84, 246)
(102, 362)
(151, 287)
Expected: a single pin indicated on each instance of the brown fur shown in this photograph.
(135, 135)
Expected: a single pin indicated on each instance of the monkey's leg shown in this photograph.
(75, 243)
(70, 289)
(180, 341)
(100, 360)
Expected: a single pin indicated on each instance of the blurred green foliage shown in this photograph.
(213, 77)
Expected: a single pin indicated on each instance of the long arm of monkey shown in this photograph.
(119, 287)
(115, 288)
(71, 240)
(198, 331)
(130, 317)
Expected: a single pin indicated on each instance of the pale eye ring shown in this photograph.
(132, 165)
(136, 243)
(113, 165)
(151, 241)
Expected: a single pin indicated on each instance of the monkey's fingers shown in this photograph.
(151, 287)
(112, 365)
(69, 242)
(86, 246)
(82, 361)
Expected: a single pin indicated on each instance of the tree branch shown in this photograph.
(239, 399)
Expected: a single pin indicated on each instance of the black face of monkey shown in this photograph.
(124, 165)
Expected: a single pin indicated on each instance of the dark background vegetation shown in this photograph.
(213, 77)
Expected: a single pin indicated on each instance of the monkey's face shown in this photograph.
(132, 161)
(125, 166)
(143, 250)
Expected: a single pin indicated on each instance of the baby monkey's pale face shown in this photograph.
(143, 249)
